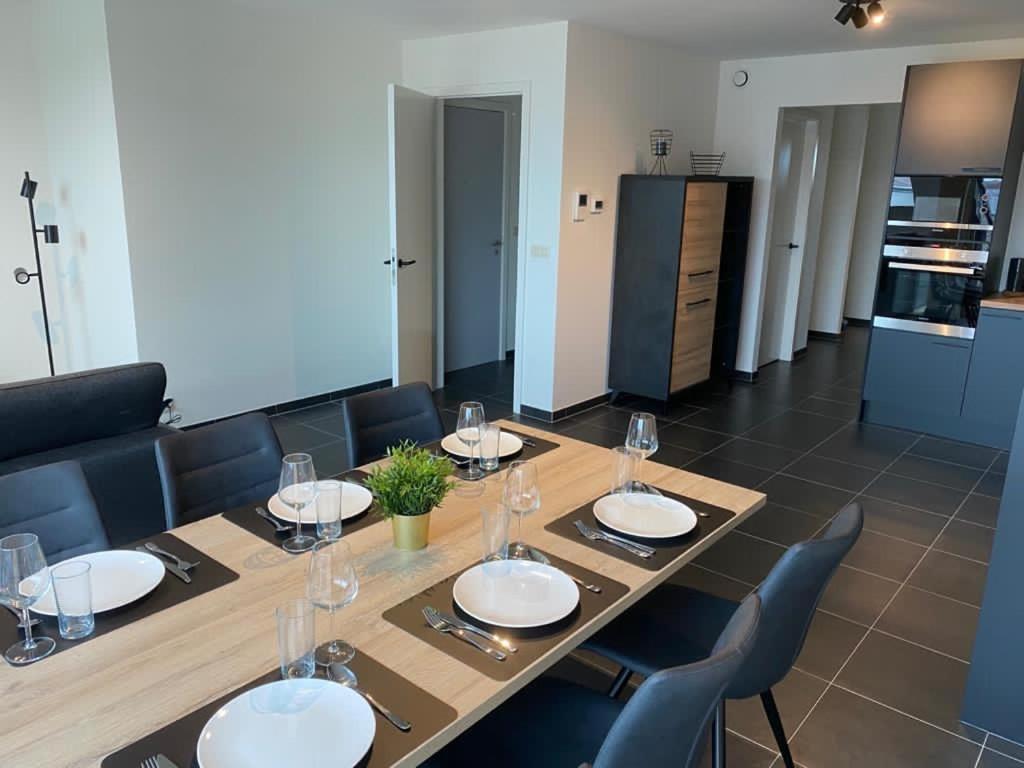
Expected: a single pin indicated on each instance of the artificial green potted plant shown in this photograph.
(407, 488)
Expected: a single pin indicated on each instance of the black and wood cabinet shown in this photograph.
(675, 236)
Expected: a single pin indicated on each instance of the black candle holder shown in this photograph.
(21, 275)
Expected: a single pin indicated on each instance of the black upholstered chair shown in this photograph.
(677, 625)
(556, 723)
(212, 469)
(54, 503)
(375, 421)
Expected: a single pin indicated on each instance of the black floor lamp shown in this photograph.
(21, 275)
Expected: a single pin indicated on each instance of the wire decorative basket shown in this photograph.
(706, 163)
(661, 148)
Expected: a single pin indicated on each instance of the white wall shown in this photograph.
(746, 122)
(849, 134)
(253, 150)
(873, 209)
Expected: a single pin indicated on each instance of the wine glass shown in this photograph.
(642, 441)
(521, 496)
(297, 489)
(332, 584)
(24, 578)
(471, 416)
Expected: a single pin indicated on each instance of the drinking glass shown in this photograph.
(471, 416)
(494, 532)
(642, 440)
(24, 578)
(624, 463)
(72, 590)
(521, 496)
(296, 638)
(332, 584)
(297, 489)
(329, 494)
(490, 442)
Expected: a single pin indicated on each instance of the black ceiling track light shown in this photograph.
(852, 11)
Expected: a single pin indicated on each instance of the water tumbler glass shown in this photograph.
(296, 638)
(624, 468)
(72, 589)
(490, 440)
(494, 532)
(328, 509)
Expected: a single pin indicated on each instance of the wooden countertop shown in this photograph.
(1011, 301)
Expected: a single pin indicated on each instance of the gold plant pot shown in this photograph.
(411, 531)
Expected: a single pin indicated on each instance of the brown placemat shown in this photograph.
(539, 447)
(667, 550)
(206, 576)
(246, 517)
(427, 714)
(531, 644)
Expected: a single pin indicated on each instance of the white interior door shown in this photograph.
(411, 210)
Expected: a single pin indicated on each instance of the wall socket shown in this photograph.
(580, 203)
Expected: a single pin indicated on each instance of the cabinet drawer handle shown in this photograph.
(951, 344)
(697, 303)
(705, 273)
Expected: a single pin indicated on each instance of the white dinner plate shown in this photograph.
(645, 514)
(355, 499)
(311, 723)
(516, 593)
(117, 576)
(508, 445)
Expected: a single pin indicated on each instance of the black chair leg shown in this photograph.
(620, 682)
(718, 737)
(772, 711)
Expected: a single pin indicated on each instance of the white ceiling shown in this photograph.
(719, 28)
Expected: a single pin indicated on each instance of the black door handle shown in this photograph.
(403, 263)
(792, 246)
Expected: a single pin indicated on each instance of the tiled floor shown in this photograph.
(880, 680)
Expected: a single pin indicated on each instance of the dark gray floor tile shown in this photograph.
(912, 679)
(782, 525)
(330, 459)
(1002, 463)
(967, 540)
(313, 413)
(952, 576)
(1006, 747)
(848, 731)
(333, 425)
(980, 509)
(595, 435)
(794, 697)
(756, 454)
(849, 477)
(688, 404)
(829, 643)
(695, 577)
(741, 557)
(992, 759)
(857, 596)
(674, 456)
(967, 454)
(940, 472)
(867, 445)
(796, 430)
(812, 498)
(742, 754)
(449, 419)
(734, 416)
(841, 394)
(743, 475)
(932, 621)
(902, 522)
(296, 436)
(531, 422)
(916, 493)
(616, 420)
(835, 409)
(695, 439)
(884, 556)
(991, 484)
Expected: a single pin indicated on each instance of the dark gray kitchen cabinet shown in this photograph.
(917, 371)
(960, 118)
(996, 378)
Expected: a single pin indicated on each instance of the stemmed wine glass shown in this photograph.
(332, 584)
(521, 496)
(642, 441)
(471, 416)
(297, 489)
(24, 578)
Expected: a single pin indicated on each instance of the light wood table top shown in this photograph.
(75, 708)
(1011, 301)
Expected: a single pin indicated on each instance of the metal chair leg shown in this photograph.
(775, 721)
(620, 682)
(718, 737)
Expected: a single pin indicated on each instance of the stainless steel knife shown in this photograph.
(169, 567)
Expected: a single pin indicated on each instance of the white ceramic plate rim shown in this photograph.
(688, 524)
(556, 613)
(150, 569)
(509, 445)
(355, 499)
(365, 730)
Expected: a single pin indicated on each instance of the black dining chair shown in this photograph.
(54, 502)
(375, 421)
(676, 625)
(218, 467)
(553, 722)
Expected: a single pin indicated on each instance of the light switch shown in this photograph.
(539, 251)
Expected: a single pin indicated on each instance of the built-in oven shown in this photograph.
(930, 290)
(943, 211)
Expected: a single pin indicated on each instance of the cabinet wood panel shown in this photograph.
(695, 326)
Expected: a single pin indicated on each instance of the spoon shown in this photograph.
(340, 673)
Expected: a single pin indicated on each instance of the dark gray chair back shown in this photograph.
(54, 503)
(375, 421)
(665, 723)
(789, 597)
(218, 467)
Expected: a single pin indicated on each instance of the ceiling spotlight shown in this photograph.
(845, 13)
(859, 18)
(876, 12)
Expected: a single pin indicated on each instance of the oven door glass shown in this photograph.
(930, 292)
(966, 200)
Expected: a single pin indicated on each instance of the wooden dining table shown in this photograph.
(73, 709)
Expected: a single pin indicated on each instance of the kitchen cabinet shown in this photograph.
(918, 372)
(959, 119)
(996, 378)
